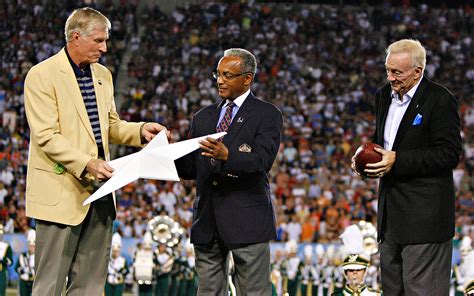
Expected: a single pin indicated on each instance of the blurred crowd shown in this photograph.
(320, 64)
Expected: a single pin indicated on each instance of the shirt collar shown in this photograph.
(78, 71)
(240, 99)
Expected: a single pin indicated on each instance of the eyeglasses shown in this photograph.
(398, 73)
(227, 75)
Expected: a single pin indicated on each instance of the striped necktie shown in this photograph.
(223, 126)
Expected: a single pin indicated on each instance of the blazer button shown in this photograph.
(93, 154)
(214, 183)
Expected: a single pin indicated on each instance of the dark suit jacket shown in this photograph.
(233, 197)
(416, 199)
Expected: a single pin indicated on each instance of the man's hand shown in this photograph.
(353, 166)
(100, 169)
(383, 167)
(214, 149)
(151, 129)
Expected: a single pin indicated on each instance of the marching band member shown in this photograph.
(144, 266)
(117, 269)
(25, 266)
(459, 270)
(5, 261)
(469, 275)
(309, 274)
(355, 264)
(292, 264)
(164, 263)
(188, 284)
(277, 272)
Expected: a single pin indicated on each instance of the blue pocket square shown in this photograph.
(417, 120)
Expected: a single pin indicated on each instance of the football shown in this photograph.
(366, 154)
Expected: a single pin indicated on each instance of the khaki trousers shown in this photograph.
(81, 253)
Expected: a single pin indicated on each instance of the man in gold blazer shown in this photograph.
(70, 108)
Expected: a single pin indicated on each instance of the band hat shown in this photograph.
(291, 246)
(116, 241)
(353, 246)
(31, 237)
(320, 251)
(308, 251)
(466, 245)
(355, 262)
(147, 240)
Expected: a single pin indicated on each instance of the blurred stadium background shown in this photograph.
(320, 62)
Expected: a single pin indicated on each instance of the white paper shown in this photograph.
(155, 161)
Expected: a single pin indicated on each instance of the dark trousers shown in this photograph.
(251, 264)
(80, 253)
(421, 269)
(25, 288)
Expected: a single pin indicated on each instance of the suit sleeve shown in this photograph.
(443, 153)
(264, 150)
(43, 120)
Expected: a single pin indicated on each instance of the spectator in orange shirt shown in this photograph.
(308, 229)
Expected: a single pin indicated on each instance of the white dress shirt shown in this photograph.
(395, 114)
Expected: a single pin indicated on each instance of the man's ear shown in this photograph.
(248, 78)
(76, 35)
(418, 72)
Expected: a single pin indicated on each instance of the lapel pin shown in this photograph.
(240, 119)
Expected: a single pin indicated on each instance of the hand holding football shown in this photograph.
(366, 154)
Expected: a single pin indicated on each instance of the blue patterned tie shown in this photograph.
(223, 126)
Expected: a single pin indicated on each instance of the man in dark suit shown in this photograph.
(418, 124)
(233, 210)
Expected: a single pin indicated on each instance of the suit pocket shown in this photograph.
(45, 187)
(252, 200)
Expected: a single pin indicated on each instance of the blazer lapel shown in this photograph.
(70, 84)
(412, 110)
(101, 101)
(213, 115)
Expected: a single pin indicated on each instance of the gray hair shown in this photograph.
(85, 20)
(413, 48)
(249, 64)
